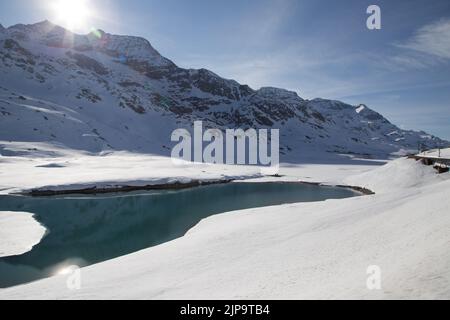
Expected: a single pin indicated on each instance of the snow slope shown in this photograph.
(101, 92)
(300, 251)
(19, 233)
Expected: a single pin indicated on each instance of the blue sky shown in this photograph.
(317, 48)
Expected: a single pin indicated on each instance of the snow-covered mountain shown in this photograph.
(101, 91)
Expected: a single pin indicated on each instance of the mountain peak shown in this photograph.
(369, 114)
(278, 93)
(135, 48)
(126, 47)
(42, 26)
(39, 31)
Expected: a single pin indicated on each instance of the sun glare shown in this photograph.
(73, 14)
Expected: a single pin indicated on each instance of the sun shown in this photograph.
(73, 14)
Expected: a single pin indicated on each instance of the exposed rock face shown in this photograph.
(84, 62)
(101, 90)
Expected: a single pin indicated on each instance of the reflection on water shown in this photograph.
(87, 230)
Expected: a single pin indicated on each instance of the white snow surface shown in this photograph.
(298, 251)
(19, 233)
(65, 169)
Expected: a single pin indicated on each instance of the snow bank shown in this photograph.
(301, 251)
(396, 175)
(19, 233)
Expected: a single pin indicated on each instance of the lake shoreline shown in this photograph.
(170, 186)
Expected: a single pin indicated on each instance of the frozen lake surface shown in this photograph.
(85, 230)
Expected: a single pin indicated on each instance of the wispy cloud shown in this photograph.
(428, 47)
(432, 39)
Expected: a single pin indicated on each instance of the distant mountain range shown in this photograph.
(99, 91)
